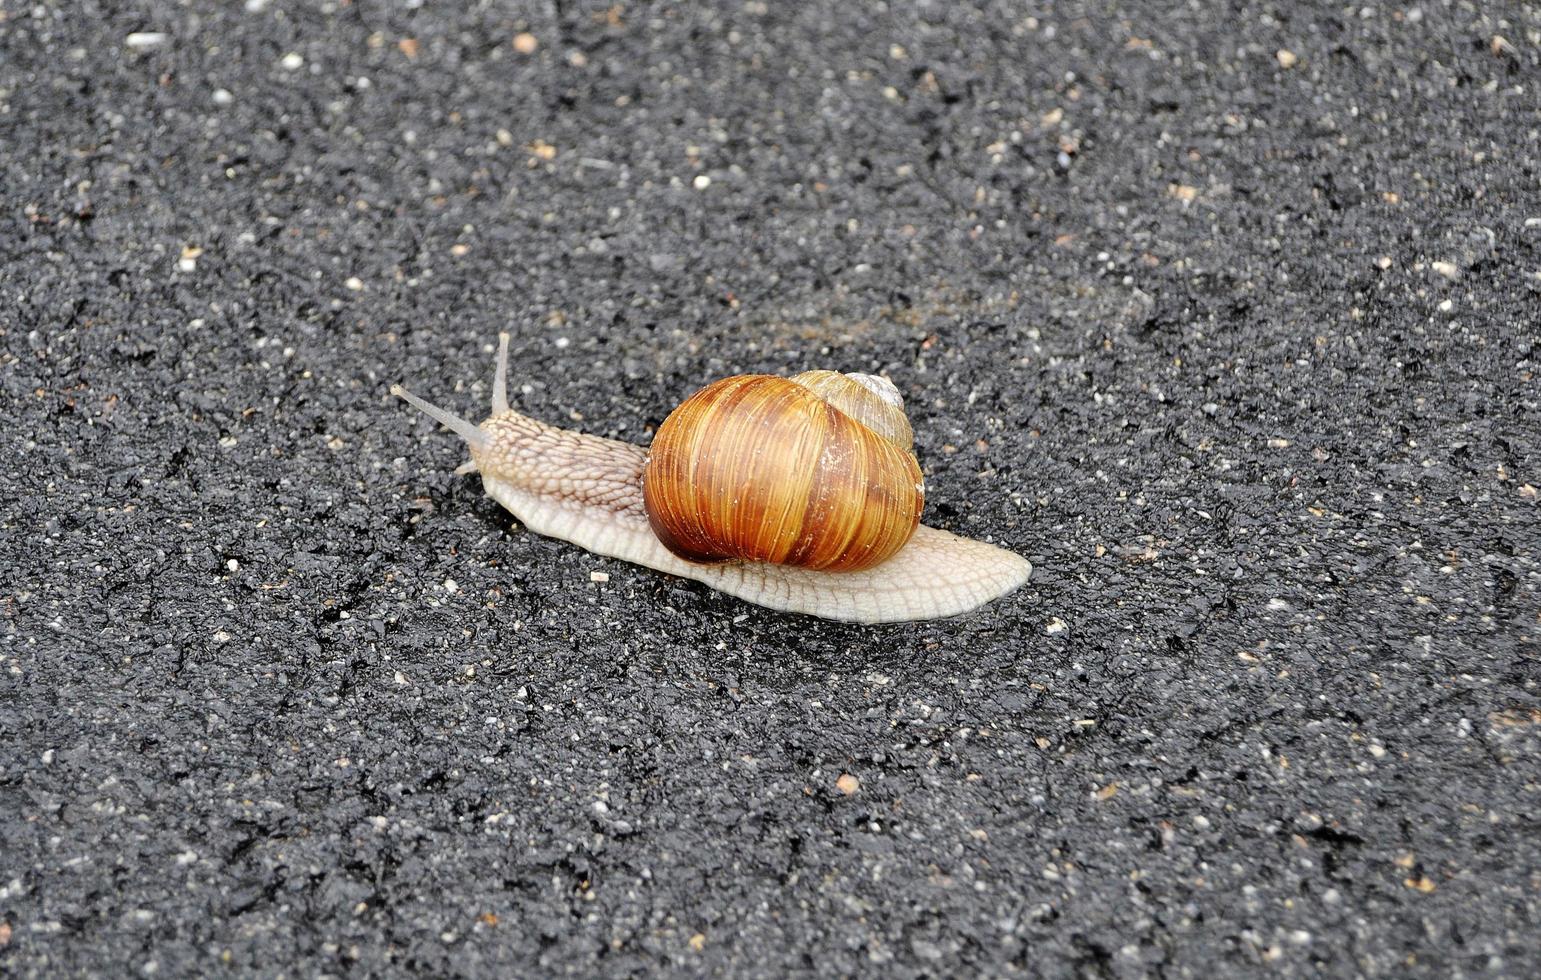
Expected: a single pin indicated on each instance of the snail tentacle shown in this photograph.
(500, 377)
(468, 431)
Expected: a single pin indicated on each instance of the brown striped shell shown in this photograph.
(815, 471)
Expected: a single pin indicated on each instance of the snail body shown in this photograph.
(800, 494)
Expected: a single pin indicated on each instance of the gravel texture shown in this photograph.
(1226, 318)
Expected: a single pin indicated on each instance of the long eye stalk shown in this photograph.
(468, 431)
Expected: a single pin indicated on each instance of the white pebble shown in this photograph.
(451, 586)
(222, 96)
(599, 576)
(1447, 269)
(292, 62)
(354, 283)
(702, 182)
(233, 565)
(1446, 306)
(145, 40)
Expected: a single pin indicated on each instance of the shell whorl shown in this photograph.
(869, 399)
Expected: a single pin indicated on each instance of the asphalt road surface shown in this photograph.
(1225, 315)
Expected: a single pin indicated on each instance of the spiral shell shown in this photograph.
(770, 469)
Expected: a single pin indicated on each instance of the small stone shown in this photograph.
(897, 52)
(1201, 822)
(1278, 443)
(1447, 269)
(848, 784)
(525, 43)
(451, 586)
(599, 576)
(408, 46)
(145, 40)
(1056, 625)
(1384, 262)
(291, 62)
(1446, 306)
(233, 565)
(354, 283)
(1183, 192)
(221, 637)
(698, 942)
(1287, 58)
(702, 182)
(459, 249)
(222, 97)
(1107, 792)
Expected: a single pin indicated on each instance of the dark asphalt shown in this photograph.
(1227, 319)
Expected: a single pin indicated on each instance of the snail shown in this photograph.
(801, 494)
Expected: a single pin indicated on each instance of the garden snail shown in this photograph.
(801, 494)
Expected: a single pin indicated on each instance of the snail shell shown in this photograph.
(593, 492)
(769, 469)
